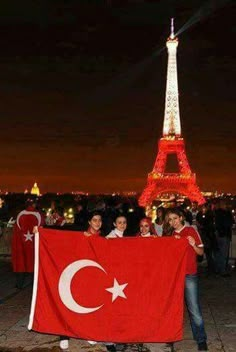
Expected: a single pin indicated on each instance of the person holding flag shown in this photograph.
(120, 225)
(189, 234)
(23, 242)
(147, 229)
(95, 224)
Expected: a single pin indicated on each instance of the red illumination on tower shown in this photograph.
(183, 182)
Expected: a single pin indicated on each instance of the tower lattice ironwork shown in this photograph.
(184, 181)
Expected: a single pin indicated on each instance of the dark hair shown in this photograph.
(119, 215)
(30, 202)
(79, 204)
(160, 208)
(60, 211)
(163, 213)
(178, 212)
(166, 228)
(94, 213)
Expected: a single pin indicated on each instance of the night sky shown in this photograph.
(82, 89)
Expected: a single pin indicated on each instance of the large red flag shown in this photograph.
(119, 290)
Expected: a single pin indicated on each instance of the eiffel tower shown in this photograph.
(184, 181)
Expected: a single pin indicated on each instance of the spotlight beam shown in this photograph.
(124, 80)
(204, 11)
(113, 90)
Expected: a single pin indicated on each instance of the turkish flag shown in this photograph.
(23, 240)
(117, 290)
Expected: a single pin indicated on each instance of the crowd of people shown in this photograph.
(206, 229)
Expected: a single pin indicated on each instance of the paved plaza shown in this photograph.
(218, 297)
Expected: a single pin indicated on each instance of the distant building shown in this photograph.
(35, 189)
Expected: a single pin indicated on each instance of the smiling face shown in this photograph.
(175, 221)
(95, 223)
(120, 223)
(144, 227)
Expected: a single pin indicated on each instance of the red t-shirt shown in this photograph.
(98, 233)
(192, 255)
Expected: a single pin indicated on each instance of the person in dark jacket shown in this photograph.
(205, 226)
(223, 225)
(80, 217)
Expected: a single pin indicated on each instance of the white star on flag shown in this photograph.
(28, 236)
(117, 290)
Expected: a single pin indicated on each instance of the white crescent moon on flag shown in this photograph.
(64, 286)
(26, 212)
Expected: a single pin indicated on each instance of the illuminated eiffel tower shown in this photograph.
(184, 181)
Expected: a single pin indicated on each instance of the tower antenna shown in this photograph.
(172, 35)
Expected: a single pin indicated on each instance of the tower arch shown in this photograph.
(171, 142)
